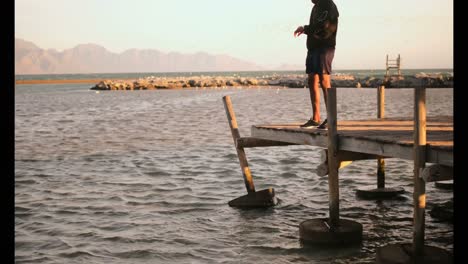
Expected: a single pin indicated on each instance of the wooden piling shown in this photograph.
(381, 192)
(380, 173)
(332, 231)
(381, 101)
(333, 163)
(419, 194)
(381, 114)
(249, 185)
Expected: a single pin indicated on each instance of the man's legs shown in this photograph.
(318, 69)
(325, 82)
(313, 80)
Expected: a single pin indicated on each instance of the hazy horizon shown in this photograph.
(285, 68)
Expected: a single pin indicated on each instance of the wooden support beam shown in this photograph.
(344, 155)
(437, 172)
(299, 137)
(333, 163)
(322, 169)
(318, 138)
(419, 193)
(249, 185)
(344, 158)
(252, 142)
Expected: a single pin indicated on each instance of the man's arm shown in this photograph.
(299, 31)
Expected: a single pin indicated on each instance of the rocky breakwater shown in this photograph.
(287, 80)
(151, 83)
(408, 81)
(405, 81)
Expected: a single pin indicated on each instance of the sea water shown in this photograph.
(145, 177)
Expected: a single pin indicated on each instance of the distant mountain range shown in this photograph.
(92, 58)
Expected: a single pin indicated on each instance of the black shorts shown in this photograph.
(320, 60)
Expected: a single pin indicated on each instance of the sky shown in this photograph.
(259, 31)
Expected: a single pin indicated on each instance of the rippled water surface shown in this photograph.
(145, 177)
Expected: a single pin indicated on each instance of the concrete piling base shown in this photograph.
(380, 193)
(318, 232)
(442, 212)
(259, 199)
(445, 185)
(402, 254)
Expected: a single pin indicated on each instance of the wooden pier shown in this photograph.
(425, 140)
(386, 137)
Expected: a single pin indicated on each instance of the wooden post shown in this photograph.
(399, 66)
(249, 185)
(381, 114)
(333, 184)
(386, 66)
(419, 193)
(380, 173)
(381, 101)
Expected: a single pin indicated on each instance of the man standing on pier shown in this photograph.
(321, 40)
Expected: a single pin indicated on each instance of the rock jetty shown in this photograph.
(287, 80)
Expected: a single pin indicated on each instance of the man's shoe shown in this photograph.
(324, 125)
(310, 123)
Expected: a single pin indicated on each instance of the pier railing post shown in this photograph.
(333, 184)
(381, 101)
(419, 194)
(381, 114)
(249, 185)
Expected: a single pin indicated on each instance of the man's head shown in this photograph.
(314, 1)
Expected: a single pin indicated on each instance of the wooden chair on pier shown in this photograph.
(392, 71)
(393, 66)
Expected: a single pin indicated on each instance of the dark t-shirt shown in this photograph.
(323, 25)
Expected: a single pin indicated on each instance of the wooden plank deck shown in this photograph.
(388, 137)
